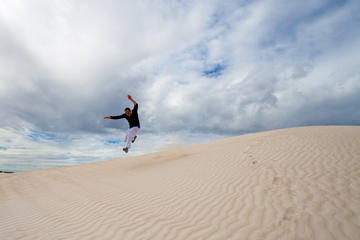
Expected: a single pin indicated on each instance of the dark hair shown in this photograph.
(127, 109)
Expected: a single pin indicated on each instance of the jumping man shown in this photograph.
(134, 124)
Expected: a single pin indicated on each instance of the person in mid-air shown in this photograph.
(134, 123)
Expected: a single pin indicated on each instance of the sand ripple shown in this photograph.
(300, 183)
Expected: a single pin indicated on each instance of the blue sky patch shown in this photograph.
(112, 141)
(3, 148)
(36, 135)
(214, 71)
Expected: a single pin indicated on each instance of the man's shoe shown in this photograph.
(133, 139)
(126, 150)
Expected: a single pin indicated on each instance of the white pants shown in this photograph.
(130, 134)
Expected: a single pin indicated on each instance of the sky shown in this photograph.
(199, 70)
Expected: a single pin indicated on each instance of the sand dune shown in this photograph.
(300, 183)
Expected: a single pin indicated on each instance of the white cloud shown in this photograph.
(204, 67)
(26, 149)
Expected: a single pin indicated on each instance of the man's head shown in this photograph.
(127, 111)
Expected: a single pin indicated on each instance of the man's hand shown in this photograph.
(107, 117)
(131, 99)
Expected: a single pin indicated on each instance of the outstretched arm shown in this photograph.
(115, 117)
(131, 99)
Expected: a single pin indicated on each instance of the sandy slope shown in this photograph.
(301, 183)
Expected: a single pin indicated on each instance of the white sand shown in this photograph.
(300, 183)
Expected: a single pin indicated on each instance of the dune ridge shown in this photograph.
(298, 183)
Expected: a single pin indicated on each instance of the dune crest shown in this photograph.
(298, 183)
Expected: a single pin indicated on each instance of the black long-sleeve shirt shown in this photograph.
(133, 119)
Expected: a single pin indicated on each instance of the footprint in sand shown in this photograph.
(278, 180)
(290, 213)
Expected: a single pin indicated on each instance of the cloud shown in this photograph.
(214, 68)
(30, 150)
(278, 65)
(81, 57)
